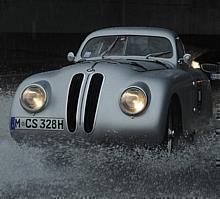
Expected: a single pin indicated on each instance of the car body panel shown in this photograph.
(160, 82)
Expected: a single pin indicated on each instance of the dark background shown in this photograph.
(37, 34)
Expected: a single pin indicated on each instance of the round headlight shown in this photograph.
(33, 98)
(133, 101)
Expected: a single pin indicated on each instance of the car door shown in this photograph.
(200, 86)
(197, 80)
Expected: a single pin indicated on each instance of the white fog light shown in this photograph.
(33, 98)
(133, 101)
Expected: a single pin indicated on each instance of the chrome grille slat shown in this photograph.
(92, 101)
(73, 98)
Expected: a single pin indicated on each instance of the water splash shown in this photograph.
(73, 171)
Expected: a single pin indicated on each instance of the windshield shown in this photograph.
(128, 46)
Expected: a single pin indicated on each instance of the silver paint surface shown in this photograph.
(110, 121)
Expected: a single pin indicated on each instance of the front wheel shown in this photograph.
(174, 127)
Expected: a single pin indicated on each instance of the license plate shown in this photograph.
(37, 123)
(215, 76)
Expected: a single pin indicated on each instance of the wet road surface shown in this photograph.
(73, 171)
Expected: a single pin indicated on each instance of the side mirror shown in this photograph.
(187, 58)
(70, 56)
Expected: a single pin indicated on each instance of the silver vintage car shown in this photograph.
(125, 84)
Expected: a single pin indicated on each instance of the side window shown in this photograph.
(180, 48)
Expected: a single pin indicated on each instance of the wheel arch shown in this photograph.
(173, 107)
(175, 102)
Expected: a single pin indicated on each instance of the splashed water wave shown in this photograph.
(73, 171)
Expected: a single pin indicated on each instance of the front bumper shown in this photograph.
(116, 134)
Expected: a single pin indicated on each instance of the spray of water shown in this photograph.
(73, 171)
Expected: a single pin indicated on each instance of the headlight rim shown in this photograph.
(124, 110)
(45, 101)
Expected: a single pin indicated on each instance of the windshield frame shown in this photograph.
(139, 57)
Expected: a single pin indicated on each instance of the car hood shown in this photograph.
(139, 66)
(110, 69)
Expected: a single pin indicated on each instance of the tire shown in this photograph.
(174, 128)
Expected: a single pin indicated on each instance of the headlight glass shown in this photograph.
(195, 64)
(33, 98)
(133, 101)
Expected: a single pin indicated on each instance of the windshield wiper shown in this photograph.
(110, 47)
(134, 63)
(83, 60)
(128, 61)
(159, 62)
(158, 54)
(155, 61)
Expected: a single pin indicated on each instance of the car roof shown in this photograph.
(151, 31)
(143, 31)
